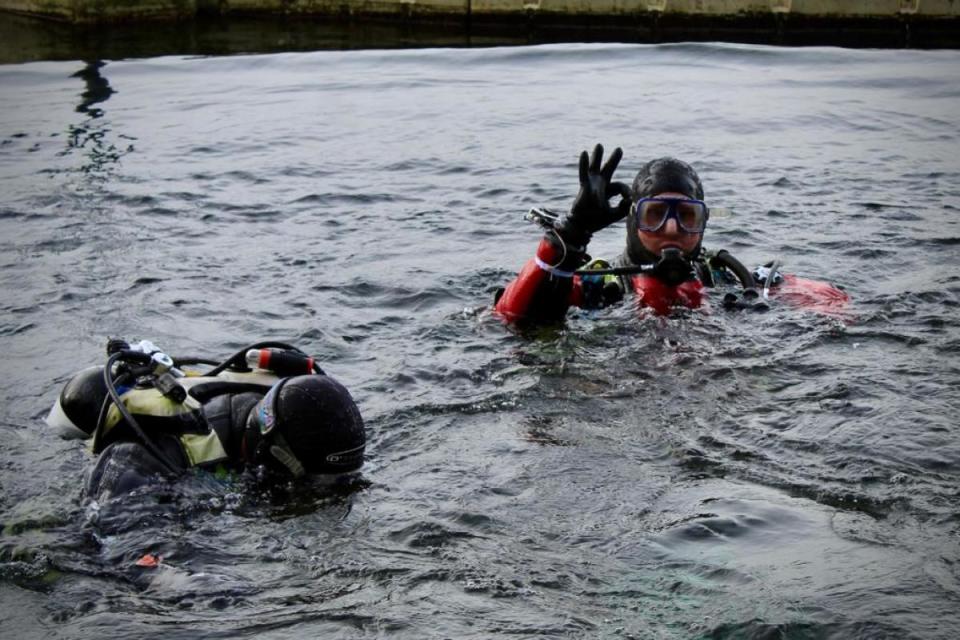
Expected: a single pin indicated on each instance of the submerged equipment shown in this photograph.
(748, 299)
(768, 276)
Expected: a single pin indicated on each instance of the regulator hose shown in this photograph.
(114, 396)
(724, 259)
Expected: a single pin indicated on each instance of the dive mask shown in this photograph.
(272, 448)
(652, 214)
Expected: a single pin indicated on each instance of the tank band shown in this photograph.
(552, 270)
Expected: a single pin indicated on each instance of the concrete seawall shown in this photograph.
(859, 23)
(122, 10)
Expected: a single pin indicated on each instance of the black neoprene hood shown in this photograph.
(666, 174)
(321, 422)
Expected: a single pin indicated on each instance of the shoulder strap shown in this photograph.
(206, 391)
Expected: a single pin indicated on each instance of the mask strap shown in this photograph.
(281, 452)
(263, 437)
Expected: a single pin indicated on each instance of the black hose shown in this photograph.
(724, 259)
(97, 445)
(127, 416)
(616, 271)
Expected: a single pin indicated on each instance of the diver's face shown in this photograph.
(670, 234)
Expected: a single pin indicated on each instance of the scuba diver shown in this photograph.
(664, 264)
(268, 408)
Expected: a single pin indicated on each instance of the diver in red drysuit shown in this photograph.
(664, 264)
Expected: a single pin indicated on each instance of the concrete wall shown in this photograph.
(111, 10)
(101, 10)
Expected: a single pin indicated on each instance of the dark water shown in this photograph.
(784, 475)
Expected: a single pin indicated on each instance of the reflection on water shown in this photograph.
(91, 137)
(97, 89)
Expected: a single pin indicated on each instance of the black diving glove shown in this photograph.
(591, 210)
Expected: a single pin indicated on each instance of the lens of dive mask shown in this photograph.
(266, 412)
(653, 213)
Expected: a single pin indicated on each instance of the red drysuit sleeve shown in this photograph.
(814, 295)
(543, 290)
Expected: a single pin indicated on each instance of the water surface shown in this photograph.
(707, 476)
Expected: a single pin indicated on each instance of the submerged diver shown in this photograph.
(269, 407)
(664, 264)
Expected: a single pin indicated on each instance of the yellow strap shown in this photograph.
(148, 402)
(202, 449)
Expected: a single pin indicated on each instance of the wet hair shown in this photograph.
(659, 176)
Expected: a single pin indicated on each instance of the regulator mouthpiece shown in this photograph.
(672, 269)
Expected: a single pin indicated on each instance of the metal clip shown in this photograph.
(544, 217)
